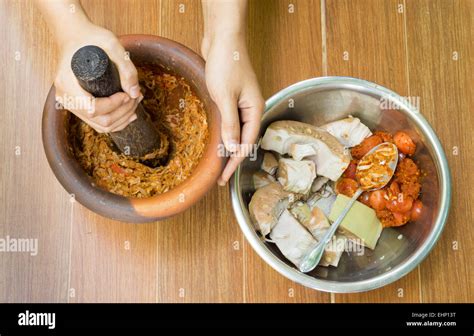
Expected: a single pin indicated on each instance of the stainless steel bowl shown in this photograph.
(399, 250)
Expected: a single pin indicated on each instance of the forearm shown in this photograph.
(230, 79)
(224, 17)
(64, 17)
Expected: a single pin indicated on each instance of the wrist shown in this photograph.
(226, 39)
(223, 40)
(226, 34)
(78, 25)
(66, 19)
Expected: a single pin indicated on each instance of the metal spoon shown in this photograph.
(312, 259)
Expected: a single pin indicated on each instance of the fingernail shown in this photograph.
(135, 91)
(231, 145)
(133, 118)
(221, 183)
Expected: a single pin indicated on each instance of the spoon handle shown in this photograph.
(313, 258)
(327, 237)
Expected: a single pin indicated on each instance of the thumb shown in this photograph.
(230, 124)
(128, 73)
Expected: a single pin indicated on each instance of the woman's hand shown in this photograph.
(233, 86)
(108, 114)
(73, 30)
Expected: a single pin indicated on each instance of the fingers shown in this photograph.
(124, 117)
(71, 95)
(117, 119)
(108, 114)
(251, 114)
(114, 121)
(123, 122)
(229, 169)
(79, 101)
(127, 71)
(106, 105)
(230, 123)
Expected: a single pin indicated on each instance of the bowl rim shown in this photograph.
(396, 272)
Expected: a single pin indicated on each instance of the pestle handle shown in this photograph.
(98, 75)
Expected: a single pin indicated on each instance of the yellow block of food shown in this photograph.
(360, 222)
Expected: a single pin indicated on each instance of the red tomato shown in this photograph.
(416, 210)
(377, 200)
(404, 143)
(400, 204)
(365, 198)
(401, 217)
(394, 188)
(347, 186)
(350, 171)
(365, 146)
(385, 136)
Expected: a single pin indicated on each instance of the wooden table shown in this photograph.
(414, 47)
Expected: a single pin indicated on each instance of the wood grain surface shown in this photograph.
(417, 48)
(441, 67)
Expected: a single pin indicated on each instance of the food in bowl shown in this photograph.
(308, 175)
(398, 202)
(175, 110)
